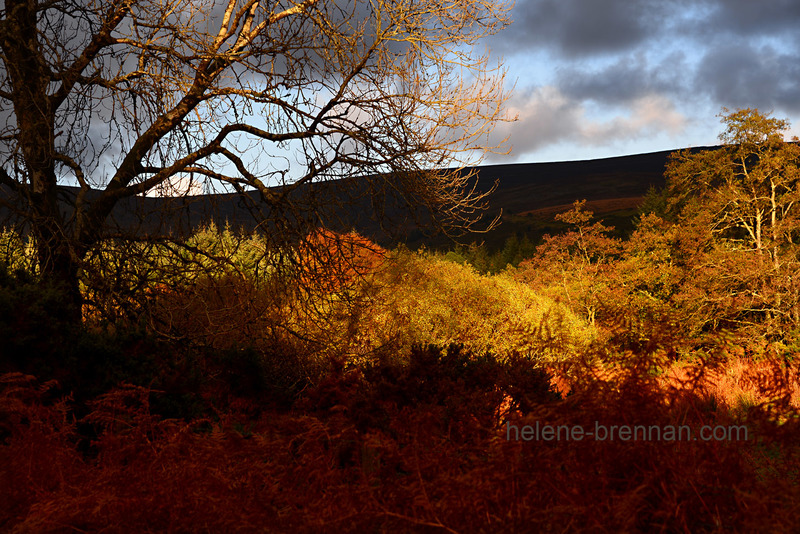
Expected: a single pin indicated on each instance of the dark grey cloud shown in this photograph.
(578, 27)
(582, 28)
(572, 29)
(613, 71)
(753, 17)
(743, 75)
(629, 78)
(734, 52)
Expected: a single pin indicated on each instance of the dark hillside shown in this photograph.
(531, 186)
(530, 194)
(523, 189)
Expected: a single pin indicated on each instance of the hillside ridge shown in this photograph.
(522, 188)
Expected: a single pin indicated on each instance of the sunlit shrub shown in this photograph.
(342, 296)
(422, 299)
(16, 251)
(121, 278)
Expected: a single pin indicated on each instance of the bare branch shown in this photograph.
(129, 95)
(114, 16)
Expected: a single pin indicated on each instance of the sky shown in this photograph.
(604, 78)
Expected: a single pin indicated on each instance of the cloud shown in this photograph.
(549, 117)
(645, 116)
(586, 28)
(753, 17)
(743, 75)
(613, 71)
(546, 117)
(178, 186)
(579, 27)
(628, 78)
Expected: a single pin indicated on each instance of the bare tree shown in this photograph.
(128, 97)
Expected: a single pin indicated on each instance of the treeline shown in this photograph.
(713, 255)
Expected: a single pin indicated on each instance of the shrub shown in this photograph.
(423, 299)
(403, 450)
(34, 322)
(469, 388)
(380, 305)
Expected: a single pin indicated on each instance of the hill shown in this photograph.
(528, 187)
(527, 195)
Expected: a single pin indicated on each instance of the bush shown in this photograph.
(467, 386)
(423, 299)
(400, 449)
(35, 325)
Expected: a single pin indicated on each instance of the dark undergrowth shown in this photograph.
(435, 441)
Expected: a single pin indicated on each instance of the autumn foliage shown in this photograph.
(373, 390)
(330, 261)
(415, 448)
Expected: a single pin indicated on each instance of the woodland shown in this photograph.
(339, 386)
(299, 377)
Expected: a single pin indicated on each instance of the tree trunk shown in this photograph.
(30, 78)
(59, 264)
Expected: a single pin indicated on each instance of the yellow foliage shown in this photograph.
(425, 299)
(404, 299)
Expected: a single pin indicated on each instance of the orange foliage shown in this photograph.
(333, 261)
(382, 455)
(742, 382)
